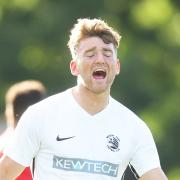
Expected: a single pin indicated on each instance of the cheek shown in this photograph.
(84, 66)
(82, 69)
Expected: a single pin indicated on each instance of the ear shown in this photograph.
(118, 66)
(74, 68)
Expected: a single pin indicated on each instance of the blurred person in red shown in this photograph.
(18, 97)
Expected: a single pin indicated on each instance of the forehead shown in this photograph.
(94, 43)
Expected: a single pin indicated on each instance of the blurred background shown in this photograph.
(33, 38)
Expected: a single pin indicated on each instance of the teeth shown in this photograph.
(100, 70)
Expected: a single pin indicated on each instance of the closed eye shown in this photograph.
(107, 53)
(90, 54)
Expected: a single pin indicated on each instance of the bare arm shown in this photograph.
(9, 169)
(154, 174)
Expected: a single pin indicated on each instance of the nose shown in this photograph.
(100, 58)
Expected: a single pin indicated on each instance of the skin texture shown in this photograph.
(154, 174)
(94, 54)
(9, 169)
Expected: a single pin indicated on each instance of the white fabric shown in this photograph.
(5, 137)
(87, 154)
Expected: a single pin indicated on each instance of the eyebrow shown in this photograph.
(93, 48)
(90, 50)
(107, 49)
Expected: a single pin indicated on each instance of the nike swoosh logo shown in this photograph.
(62, 139)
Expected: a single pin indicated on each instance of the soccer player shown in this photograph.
(83, 133)
(18, 97)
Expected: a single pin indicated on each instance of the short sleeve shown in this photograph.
(145, 156)
(25, 142)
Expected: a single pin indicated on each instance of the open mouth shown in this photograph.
(99, 74)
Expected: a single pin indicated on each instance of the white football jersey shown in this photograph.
(70, 144)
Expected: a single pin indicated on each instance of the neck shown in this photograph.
(90, 101)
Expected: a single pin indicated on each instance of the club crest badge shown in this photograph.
(113, 142)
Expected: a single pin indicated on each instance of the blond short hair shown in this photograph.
(21, 95)
(89, 28)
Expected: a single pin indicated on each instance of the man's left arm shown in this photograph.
(145, 160)
(154, 174)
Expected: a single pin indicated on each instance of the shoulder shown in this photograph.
(123, 111)
(51, 102)
(126, 115)
(39, 113)
(5, 137)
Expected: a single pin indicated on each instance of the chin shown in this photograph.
(99, 90)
